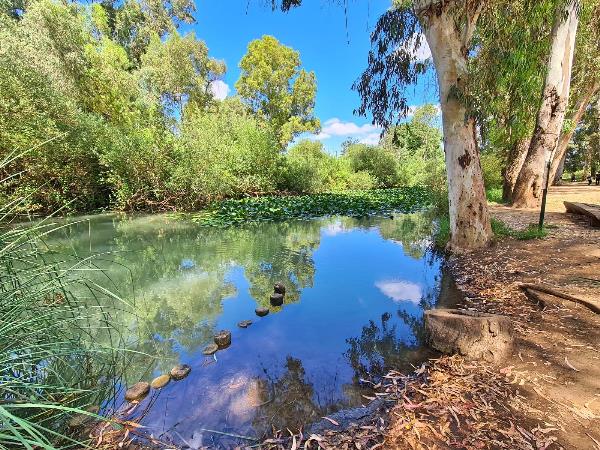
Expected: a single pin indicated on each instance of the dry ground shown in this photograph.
(557, 359)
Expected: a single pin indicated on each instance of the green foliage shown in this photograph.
(494, 194)
(491, 165)
(500, 229)
(417, 146)
(273, 85)
(224, 153)
(354, 203)
(178, 70)
(59, 357)
(309, 169)
(379, 162)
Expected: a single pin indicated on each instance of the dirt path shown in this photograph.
(556, 364)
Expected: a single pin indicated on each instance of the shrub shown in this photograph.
(491, 165)
(223, 153)
(379, 162)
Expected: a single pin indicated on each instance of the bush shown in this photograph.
(223, 153)
(491, 165)
(379, 162)
(307, 167)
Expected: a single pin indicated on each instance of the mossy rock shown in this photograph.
(210, 349)
(261, 312)
(180, 371)
(137, 392)
(223, 339)
(160, 381)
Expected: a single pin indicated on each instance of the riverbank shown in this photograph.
(547, 394)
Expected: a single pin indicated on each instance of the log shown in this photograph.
(470, 334)
(556, 293)
(591, 211)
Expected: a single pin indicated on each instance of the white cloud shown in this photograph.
(322, 136)
(399, 290)
(219, 89)
(421, 52)
(336, 127)
(371, 139)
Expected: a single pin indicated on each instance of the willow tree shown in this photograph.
(551, 113)
(448, 28)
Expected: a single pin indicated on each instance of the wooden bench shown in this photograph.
(592, 212)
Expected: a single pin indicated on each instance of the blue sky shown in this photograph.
(335, 52)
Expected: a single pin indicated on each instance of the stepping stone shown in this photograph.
(137, 392)
(210, 349)
(279, 288)
(223, 339)
(180, 371)
(244, 323)
(276, 299)
(160, 381)
(261, 312)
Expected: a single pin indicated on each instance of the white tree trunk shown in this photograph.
(555, 98)
(469, 218)
(563, 143)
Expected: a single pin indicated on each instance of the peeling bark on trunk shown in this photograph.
(516, 158)
(557, 178)
(555, 98)
(563, 143)
(469, 218)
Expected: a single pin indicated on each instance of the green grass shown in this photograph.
(494, 195)
(499, 229)
(59, 352)
(532, 231)
(353, 203)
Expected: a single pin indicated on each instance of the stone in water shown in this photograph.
(244, 323)
(160, 382)
(223, 338)
(180, 371)
(137, 392)
(261, 312)
(210, 349)
(276, 299)
(279, 288)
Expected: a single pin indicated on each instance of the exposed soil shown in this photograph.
(557, 358)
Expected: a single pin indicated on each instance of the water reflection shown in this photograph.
(356, 289)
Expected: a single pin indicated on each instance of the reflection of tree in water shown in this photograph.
(413, 231)
(288, 400)
(282, 253)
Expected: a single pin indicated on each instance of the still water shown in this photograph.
(356, 291)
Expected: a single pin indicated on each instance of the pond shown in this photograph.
(356, 291)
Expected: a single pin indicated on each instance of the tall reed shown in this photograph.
(59, 349)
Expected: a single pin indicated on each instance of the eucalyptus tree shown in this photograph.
(448, 28)
(179, 70)
(555, 99)
(585, 81)
(506, 78)
(273, 85)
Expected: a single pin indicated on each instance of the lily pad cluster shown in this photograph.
(278, 208)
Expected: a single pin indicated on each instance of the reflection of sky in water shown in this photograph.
(356, 304)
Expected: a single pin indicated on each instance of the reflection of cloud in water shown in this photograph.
(335, 228)
(400, 290)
